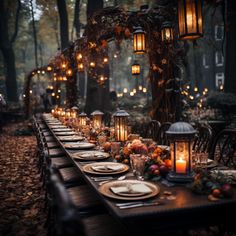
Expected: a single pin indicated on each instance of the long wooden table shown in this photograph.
(186, 211)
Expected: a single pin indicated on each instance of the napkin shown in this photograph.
(132, 188)
(107, 167)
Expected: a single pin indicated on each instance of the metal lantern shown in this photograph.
(80, 67)
(181, 136)
(121, 125)
(136, 68)
(167, 35)
(97, 119)
(190, 19)
(82, 118)
(139, 41)
(74, 111)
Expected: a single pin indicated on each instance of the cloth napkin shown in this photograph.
(107, 167)
(132, 188)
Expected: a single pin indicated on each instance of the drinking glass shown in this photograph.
(115, 148)
(138, 162)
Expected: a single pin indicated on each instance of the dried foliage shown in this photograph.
(21, 193)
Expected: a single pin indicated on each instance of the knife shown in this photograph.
(141, 205)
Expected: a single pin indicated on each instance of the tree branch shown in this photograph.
(13, 38)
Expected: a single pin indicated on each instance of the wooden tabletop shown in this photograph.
(187, 210)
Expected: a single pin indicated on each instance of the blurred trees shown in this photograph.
(6, 45)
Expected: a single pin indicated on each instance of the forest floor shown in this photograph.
(21, 193)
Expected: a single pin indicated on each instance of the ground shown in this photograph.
(21, 193)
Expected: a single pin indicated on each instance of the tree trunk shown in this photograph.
(8, 55)
(61, 5)
(34, 34)
(97, 95)
(11, 84)
(76, 18)
(230, 60)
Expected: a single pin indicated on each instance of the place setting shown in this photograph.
(129, 189)
(79, 145)
(90, 155)
(65, 133)
(105, 168)
(56, 130)
(71, 138)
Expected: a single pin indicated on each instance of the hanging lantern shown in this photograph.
(92, 64)
(63, 65)
(105, 60)
(79, 56)
(167, 35)
(97, 119)
(121, 125)
(139, 41)
(69, 72)
(181, 136)
(82, 118)
(49, 68)
(190, 19)
(80, 67)
(74, 112)
(136, 68)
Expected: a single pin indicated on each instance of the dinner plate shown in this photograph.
(106, 190)
(65, 133)
(80, 145)
(62, 130)
(58, 126)
(70, 138)
(90, 170)
(90, 155)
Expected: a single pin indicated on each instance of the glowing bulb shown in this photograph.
(144, 90)
(125, 90)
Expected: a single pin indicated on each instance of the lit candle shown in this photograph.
(181, 166)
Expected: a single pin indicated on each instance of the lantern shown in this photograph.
(82, 118)
(92, 64)
(97, 119)
(167, 35)
(69, 72)
(181, 136)
(139, 41)
(190, 19)
(105, 60)
(80, 67)
(74, 112)
(121, 125)
(79, 56)
(136, 68)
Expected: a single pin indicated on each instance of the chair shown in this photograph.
(152, 129)
(203, 139)
(161, 135)
(224, 148)
(67, 219)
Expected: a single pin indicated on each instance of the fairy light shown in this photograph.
(144, 90)
(140, 87)
(131, 93)
(125, 90)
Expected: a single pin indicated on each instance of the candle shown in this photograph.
(181, 166)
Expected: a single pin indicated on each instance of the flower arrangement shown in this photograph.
(158, 164)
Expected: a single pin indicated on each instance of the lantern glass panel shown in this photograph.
(181, 156)
(139, 43)
(97, 121)
(190, 19)
(136, 69)
(121, 128)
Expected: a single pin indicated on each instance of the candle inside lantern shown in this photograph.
(181, 165)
